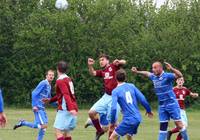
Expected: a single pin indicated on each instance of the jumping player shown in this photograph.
(181, 93)
(128, 97)
(168, 105)
(103, 105)
(43, 90)
(3, 118)
(66, 117)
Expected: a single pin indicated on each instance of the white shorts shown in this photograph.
(184, 117)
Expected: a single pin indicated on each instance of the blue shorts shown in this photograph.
(103, 107)
(65, 121)
(169, 111)
(41, 117)
(126, 128)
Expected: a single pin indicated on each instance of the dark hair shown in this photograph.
(121, 75)
(62, 66)
(104, 55)
(50, 70)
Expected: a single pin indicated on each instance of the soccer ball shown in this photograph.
(61, 4)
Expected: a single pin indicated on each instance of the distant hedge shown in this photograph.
(33, 38)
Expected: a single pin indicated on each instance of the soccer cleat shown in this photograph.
(98, 135)
(169, 134)
(88, 123)
(18, 125)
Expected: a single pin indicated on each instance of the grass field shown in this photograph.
(147, 131)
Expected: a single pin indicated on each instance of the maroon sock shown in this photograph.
(109, 134)
(68, 138)
(175, 130)
(61, 138)
(179, 137)
(97, 125)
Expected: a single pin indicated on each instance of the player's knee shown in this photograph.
(44, 126)
(92, 113)
(180, 125)
(163, 126)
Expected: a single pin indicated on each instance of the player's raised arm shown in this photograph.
(90, 66)
(118, 62)
(177, 73)
(144, 73)
(194, 95)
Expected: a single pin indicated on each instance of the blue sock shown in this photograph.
(162, 135)
(184, 134)
(29, 124)
(41, 134)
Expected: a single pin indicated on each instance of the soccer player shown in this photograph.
(3, 118)
(43, 90)
(103, 105)
(181, 93)
(128, 97)
(168, 105)
(66, 117)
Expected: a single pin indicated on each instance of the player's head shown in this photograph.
(180, 81)
(103, 60)
(120, 75)
(62, 67)
(50, 75)
(157, 68)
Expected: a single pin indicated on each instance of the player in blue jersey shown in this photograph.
(43, 90)
(168, 105)
(127, 96)
(3, 118)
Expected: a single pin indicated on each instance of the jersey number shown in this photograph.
(129, 99)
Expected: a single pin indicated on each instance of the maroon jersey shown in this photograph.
(181, 94)
(108, 75)
(65, 92)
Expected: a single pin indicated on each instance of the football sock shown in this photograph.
(162, 135)
(175, 130)
(61, 138)
(179, 137)
(29, 124)
(68, 138)
(97, 125)
(184, 134)
(41, 134)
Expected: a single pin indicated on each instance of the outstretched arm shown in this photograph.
(177, 73)
(194, 95)
(144, 73)
(90, 66)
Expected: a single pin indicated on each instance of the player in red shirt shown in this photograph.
(181, 93)
(103, 105)
(66, 117)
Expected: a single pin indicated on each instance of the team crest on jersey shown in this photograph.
(110, 69)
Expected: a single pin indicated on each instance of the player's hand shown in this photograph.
(91, 61)
(46, 100)
(112, 127)
(134, 70)
(149, 114)
(168, 66)
(35, 109)
(74, 112)
(195, 95)
(116, 62)
(3, 120)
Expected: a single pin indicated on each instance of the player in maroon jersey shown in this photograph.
(103, 105)
(66, 117)
(181, 93)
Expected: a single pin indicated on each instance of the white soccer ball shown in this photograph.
(61, 4)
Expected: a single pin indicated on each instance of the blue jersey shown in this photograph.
(163, 86)
(43, 90)
(1, 101)
(128, 96)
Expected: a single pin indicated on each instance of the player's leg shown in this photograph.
(129, 137)
(27, 124)
(164, 118)
(67, 135)
(179, 137)
(175, 114)
(100, 107)
(43, 121)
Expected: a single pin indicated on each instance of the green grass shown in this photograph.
(148, 130)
